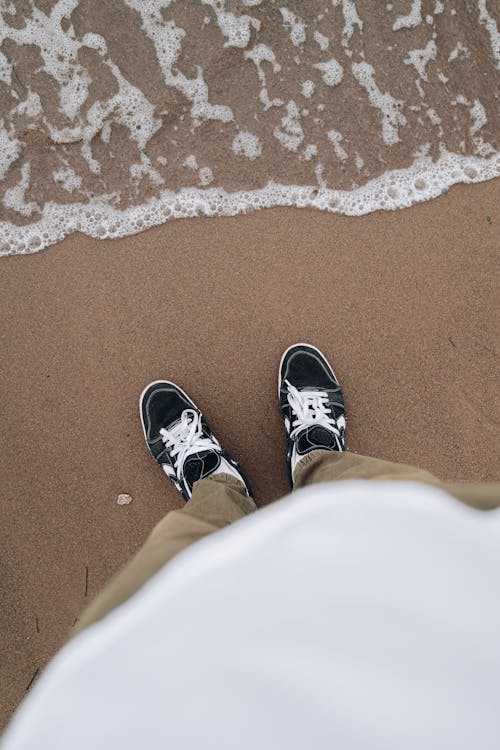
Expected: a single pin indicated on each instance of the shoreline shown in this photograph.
(394, 190)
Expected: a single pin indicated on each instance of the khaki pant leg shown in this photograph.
(329, 466)
(479, 495)
(215, 503)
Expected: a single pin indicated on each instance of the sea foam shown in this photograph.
(396, 189)
(118, 117)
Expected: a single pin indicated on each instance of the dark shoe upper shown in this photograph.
(312, 404)
(180, 439)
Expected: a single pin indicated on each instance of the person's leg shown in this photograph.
(215, 502)
(312, 404)
(331, 466)
(209, 479)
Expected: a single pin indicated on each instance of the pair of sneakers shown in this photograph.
(181, 441)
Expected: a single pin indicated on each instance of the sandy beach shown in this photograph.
(401, 302)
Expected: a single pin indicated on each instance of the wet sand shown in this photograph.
(402, 303)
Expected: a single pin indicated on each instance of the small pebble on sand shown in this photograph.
(124, 499)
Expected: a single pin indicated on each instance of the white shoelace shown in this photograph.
(311, 408)
(186, 438)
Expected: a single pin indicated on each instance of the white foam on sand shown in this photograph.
(331, 71)
(392, 117)
(297, 132)
(247, 144)
(396, 189)
(413, 18)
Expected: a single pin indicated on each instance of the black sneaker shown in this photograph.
(312, 404)
(181, 441)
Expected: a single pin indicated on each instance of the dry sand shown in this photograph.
(400, 302)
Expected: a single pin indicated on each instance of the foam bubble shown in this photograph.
(247, 144)
(144, 168)
(191, 162)
(10, 148)
(413, 18)
(460, 50)
(420, 57)
(291, 134)
(433, 116)
(308, 89)
(206, 176)
(236, 29)
(491, 27)
(67, 178)
(392, 118)
(31, 106)
(335, 138)
(478, 116)
(5, 69)
(310, 150)
(259, 54)
(321, 40)
(351, 19)
(14, 196)
(359, 161)
(295, 25)
(331, 71)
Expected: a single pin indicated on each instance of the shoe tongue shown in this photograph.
(199, 465)
(317, 437)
